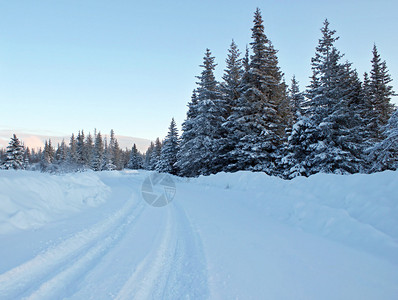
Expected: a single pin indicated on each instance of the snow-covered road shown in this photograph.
(124, 249)
(214, 241)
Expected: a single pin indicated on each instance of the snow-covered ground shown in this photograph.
(227, 236)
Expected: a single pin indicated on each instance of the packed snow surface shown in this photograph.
(226, 236)
(30, 199)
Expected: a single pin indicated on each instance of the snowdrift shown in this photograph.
(31, 199)
(358, 210)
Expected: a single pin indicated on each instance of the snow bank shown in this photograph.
(360, 211)
(31, 199)
(357, 210)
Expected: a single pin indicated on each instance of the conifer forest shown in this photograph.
(253, 119)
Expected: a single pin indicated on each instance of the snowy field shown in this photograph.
(227, 236)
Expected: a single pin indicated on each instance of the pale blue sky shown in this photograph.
(131, 65)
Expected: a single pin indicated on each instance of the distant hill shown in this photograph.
(36, 140)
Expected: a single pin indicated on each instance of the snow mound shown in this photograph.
(358, 210)
(31, 199)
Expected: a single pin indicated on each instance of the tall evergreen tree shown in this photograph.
(232, 78)
(27, 158)
(286, 111)
(98, 153)
(380, 93)
(331, 111)
(88, 150)
(108, 164)
(117, 155)
(62, 152)
(135, 161)
(48, 153)
(203, 138)
(80, 147)
(290, 154)
(369, 130)
(246, 61)
(72, 153)
(14, 155)
(125, 157)
(168, 154)
(230, 87)
(323, 91)
(148, 155)
(113, 153)
(187, 127)
(297, 99)
(155, 154)
(258, 122)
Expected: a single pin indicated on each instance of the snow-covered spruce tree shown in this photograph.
(147, 156)
(324, 141)
(296, 160)
(88, 150)
(230, 88)
(294, 152)
(27, 158)
(112, 159)
(369, 131)
(80, 151)
(379, 93)
(155, 154)
(61, 153)
(107, 164)
(203, 137)
(187, 133)
(246, 61)
(231, 78)
(168, 154)
(125, 158)
(114, 151)
(110, 152)
(286, 111)
(297, 99)
(384, 154)
(98, 153)
(48, 157)
(135, 161)
(14, 155)
(72, 153)
(117, 156)
(331, 111)
(48, 152)
(257, 121)
(230, 124)
(61, 162)
(355, 120)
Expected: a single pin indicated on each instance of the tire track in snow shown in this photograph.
(60, 283)
(187, 278)
(22, 279)
(177, 270)
(141, 283)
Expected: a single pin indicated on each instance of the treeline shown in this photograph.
(252, 120)
(80, 153)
